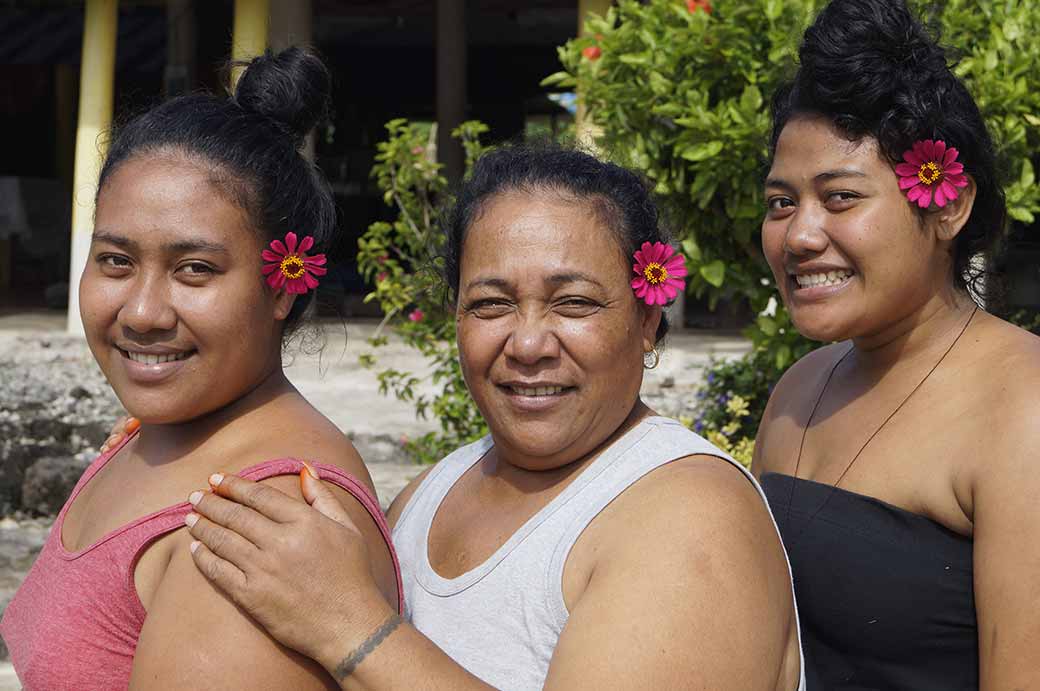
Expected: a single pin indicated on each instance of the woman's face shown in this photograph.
(847, 250)
(551, 337)
(173, 303)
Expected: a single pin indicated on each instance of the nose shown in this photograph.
(148, 306)
(805, 233)
(532, 341)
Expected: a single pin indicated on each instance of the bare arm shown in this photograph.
(194, 637)
(1007, 559)
(692, 591)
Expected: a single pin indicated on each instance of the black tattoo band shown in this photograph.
(345, 668)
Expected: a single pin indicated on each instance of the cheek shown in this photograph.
(773, 234)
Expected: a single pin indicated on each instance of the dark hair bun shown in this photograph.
(866, 56)
(291, 88)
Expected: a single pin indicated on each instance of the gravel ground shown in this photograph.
(51, 389)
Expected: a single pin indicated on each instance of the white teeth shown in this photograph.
(152, 358)
(538, 391)
(830, 278)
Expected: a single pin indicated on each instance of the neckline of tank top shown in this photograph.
(184, 506)
(867, 499)
(439, 585)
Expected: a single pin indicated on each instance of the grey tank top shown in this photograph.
(502, 619)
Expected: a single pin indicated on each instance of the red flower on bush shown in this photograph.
(416, 315)
(696, 5)
(592, 52)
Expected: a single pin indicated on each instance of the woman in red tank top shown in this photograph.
(202, 261)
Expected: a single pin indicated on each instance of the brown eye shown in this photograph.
(114, 264)
(577, 307)
(489, 309)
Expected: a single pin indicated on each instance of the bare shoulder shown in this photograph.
(798, 381)
(305, 434)
(790, 402)
(1001, 382)
(700, 503)
(187, 608)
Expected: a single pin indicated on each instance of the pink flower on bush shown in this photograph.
(659, 271)
(290, 267)
(416, 315)
(930, 170)
(380, 277)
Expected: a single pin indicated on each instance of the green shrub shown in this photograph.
(402, 260)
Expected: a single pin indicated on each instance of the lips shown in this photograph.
(537, 390)
(832, 277)
(144, 367)
(154, 358)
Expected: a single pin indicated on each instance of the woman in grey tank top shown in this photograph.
(586, 542)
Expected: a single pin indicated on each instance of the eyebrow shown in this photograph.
(820, 177)
(558, 279)
(178, 247)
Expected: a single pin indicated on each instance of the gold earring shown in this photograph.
(651, 359)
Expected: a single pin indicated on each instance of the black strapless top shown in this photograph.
(885, 595)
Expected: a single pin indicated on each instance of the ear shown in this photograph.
(649, 323)
(951, 219)
(283, 302)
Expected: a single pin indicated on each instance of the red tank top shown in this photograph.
(75, 621)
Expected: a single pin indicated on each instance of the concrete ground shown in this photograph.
(349, 394)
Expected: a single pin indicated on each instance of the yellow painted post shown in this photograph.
(584, 131)
(250, 32)
(96, 78)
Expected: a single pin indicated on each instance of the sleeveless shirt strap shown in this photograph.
(346, 482)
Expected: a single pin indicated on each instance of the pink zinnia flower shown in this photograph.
(931, 167)
(290, 267)
(416, 315)
(659, 272)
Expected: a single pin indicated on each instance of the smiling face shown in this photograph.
(551, 337)
(173, 303)
(847, 250)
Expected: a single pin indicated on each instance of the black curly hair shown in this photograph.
(618, 196)
(874, 70)
(253, 140)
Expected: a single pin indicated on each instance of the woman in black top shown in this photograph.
(899, 460)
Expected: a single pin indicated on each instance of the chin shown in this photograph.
(821, 327)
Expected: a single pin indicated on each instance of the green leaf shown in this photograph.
(766, 325)
(1028, 176)
(702, 151)
(558, 79)
(751, 99)
(714, 273)
(783, 357)
(1021, 215)
(691, 250)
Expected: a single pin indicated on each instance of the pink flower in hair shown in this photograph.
(290, 267)
(659, 271)
(930, 171)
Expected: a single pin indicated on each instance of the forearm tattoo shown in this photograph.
(345, 668)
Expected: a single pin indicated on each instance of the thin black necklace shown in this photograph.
(808, 423)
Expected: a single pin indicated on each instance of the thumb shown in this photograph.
(321, 497)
